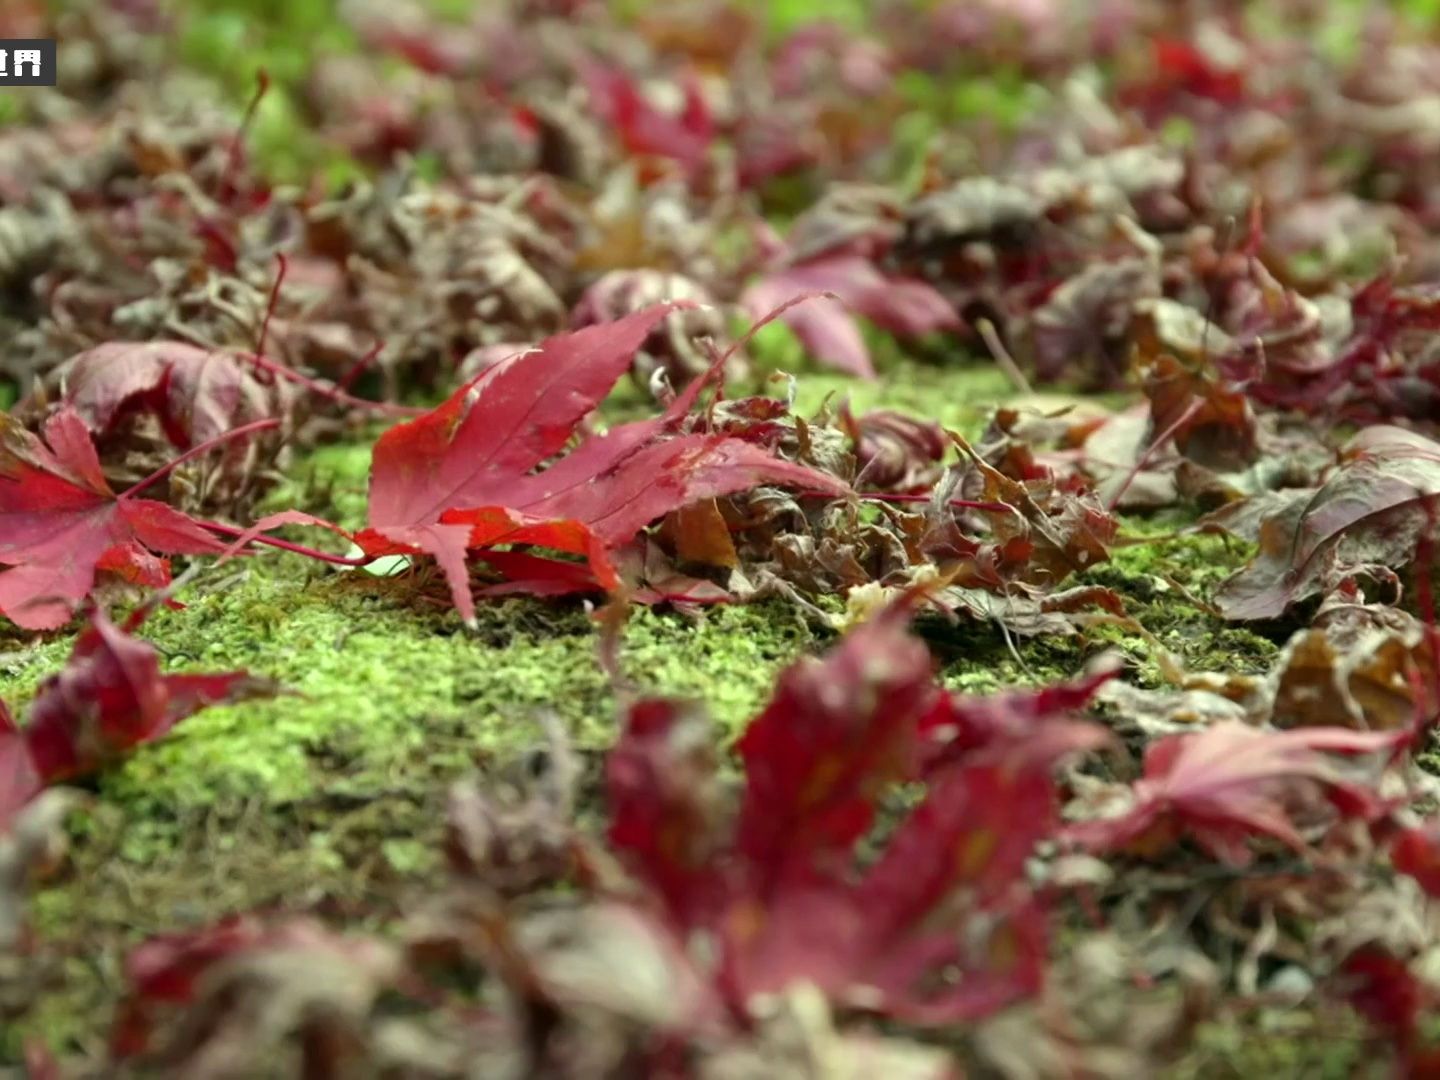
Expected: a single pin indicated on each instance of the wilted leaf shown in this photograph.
(1370, 513)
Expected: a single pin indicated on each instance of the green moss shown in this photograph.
(1274, 1042)
(947, 386)
(1166, 582)
(377, 680)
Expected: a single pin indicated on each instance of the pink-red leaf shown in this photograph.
(60, 522)
(684, 136)
(906, 307)
(1230, 783)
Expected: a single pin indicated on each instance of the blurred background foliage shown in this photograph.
(230, 41)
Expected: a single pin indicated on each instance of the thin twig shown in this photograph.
(991, 337)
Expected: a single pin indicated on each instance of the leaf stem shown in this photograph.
(964, 504)
(1159, 441)
(1003, 359)
(232, 158)
(896, 497)
(286, 545)
(324, 390)
(348, 380)
(273, 302)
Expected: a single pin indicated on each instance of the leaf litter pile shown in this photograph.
(548, 291)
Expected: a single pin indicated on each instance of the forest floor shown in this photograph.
(184, 203)
(331, 798)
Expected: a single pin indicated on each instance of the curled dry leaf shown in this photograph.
(1369, 516)
(1359, 666)
(894, 451)
(196, 394)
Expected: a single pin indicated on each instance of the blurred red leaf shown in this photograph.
(834, 734)
(1384, 990)
(1229, 783)
(1417, 852)
(684, 136)
(907, 307)
(109, 698)
(663, 804)
(784, 896)
(965, 724)
(177, 969)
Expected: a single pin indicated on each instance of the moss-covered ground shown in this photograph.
(330, 797)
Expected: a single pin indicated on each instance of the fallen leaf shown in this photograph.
(1227, 784)
(109, 698)
(1370, 514)
(907, 307)
(60, 523)
(462, 477)
(197, 394)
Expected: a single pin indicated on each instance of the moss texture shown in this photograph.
(332, 796)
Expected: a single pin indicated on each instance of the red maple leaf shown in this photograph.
(1230, 783)
(468, 475)
(108, 698)
(60, 523)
